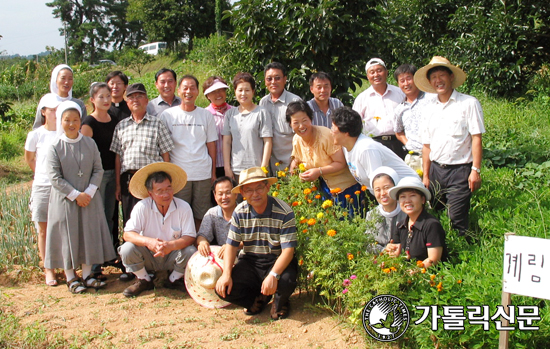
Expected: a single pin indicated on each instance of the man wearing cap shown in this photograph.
(409, 115)
(322, 104)
(138, 141)
(118, 82)
(451, 135)
(165, 82)
(276, 102)
(160, 234)
(267, 228)
(377, 104)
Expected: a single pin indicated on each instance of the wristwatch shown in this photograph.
(277, 276)
(476, 169)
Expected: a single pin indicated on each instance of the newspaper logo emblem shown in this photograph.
(385, 318)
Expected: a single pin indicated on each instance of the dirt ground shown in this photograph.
(165, 318)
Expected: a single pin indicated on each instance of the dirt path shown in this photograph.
(165, 318)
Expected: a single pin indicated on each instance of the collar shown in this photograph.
(372, 91)
(419, 221)
(70, 140)
(454, 97)
(160, 100)
(421, 95)
(173, 206)
(267, 211)
(146, 117)
(282, 97)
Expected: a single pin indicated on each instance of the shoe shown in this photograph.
(281, 314)
(92, 282)
(126, 277)
(259, 304)
(51, 283)
(76, 286)
(179, 284)
(139, 286)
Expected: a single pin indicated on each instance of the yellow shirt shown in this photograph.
(319, 154)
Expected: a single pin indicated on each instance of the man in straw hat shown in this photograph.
(160, 234)
(266, 227)
(451, 136)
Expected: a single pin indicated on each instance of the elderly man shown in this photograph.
(276, 102)
(322, 103)
(409, 115)
(266, 227)
(118, 82)
(193, 130)
(160, 234)
(452, 150)
(165, 82)
(376, 106)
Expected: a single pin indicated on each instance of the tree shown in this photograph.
(135, 59)
(124, 32)
(335, 36)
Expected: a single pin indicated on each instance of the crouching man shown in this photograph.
(266, 227)
(160, 232)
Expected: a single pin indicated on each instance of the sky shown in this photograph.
(27, 27)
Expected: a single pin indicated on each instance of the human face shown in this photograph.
(188, 92)
(442, 82)
(166, 85)
(162, 193)
(406, 84)
(223, 195)
(255, 194)
(301, 124)
(244, 93)
(49, 118)
(321, 89)
(381, 187)
(411, 202)
(337, 136)
(102, 99)
(117, 87)
(137, 102)
(64, 82)
(70, 121)
(377, 75)
(275, 81)
(217, 97)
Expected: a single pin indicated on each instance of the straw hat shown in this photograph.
(410, 183)
(137, 183)
(252, 175)
(421, 76)
(201, 275)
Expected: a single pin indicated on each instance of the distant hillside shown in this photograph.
(45, 53)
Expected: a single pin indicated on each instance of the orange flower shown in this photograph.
(393, 268)
(350, 256)
(386, 270)
(335, 191)
(347, 196)
(301, 262)
(304, 231)
(331, 232)
(440, 287)
(303, 221)
(278, 186)
(459, 281)
(318, 196)
(432, 277)
(295, 203)
(307, 191)
(357, 192)
(364, 188)
(311, 221)
(420, 264)
(432, 283)
(423, 270)
(314, 188)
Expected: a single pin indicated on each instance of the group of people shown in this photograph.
(161, 159)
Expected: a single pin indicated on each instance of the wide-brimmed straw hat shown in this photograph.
(421, 76)
(410, 183)
(252, 175)
(137, 183)
(201, 275)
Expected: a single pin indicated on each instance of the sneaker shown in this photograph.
(179, 284)
(139, 286)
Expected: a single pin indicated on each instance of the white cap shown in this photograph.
(49, 100)
(374, 61)
(216, 86)
(410, 183)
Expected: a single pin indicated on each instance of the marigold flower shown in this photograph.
(304, 231)
(286, 169)
(393, 268)
(386, 270)
(363, 188)
(302, 167)
(335, 191)
(303, 220)
(311, 221)
(295, 203)
(320, 215)
(420, 173)
(281, 174)
(440, 287)
(357, 192)
(331, 232)
(318, 196)
(459, 281)
(432, 283)
(309, 201)
(411, 152)
(347, 196)
(376, 118)
(307, 191)
(326, 204)
(346, 282)
(277, 164)
(274, 194)
(423, 270)
(345, 291)
(353, 277)
(350, 256)
(432, 277)
(420, 264)
(314, 188)
(264, 169)
(301, 262)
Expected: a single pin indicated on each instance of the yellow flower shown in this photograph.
(277, 164)
(376, 118)
(264, 169)
(440, 287)
(331, 232)
(420, 172)
(286, 169)
(411, 152)
(432, 277)
(386, 270)
(307, 191)
(326, 204)
(423, 270)
(320, 215)
(275, 193)
(393, 268)
(302, 167)
(302, 218)
(311, 221)
(350, 256)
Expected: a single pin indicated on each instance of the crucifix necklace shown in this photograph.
(79, 174)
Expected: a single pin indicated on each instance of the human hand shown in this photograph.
(269, 285)
(162, 248)
(83, 199)
(221, 251)
(228, 172)
(393, 249)
(474, 181)
(204, 248)
(225, 283)
(118, 193)
(426, 180)
(310, 175)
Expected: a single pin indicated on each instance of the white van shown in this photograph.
(153, 48)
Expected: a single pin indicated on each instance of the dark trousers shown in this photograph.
(248, 275)
(449, 186)
(393, 143)
(128, 200)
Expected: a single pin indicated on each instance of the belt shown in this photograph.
(384, 138)
(451, 166)
(411, 152)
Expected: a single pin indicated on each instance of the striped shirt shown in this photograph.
(265, 233)
(320, 118)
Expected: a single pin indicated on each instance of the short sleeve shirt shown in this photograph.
(266, 233)
(156, 106)
(409, 118)
(219, 116)
(320, 118)
(214, 227)
(38, 141)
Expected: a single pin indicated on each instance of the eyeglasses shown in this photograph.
(249, 192)
(276, 78)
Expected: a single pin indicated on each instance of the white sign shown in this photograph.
(526, 267)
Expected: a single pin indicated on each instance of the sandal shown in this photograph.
(51, 283)
(281, 314)
(259, 304)
(76, 286)
(99, 276)
(92, 282)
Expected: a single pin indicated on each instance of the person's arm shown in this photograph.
(165, 247)
(401, 137)
(211, 146)
(140, 240)
(269, 285)
(474, 180)
(426, 165)
(227, 156)
(434, 256)
(165, 157)
(30, 159)
(203, 246)
(87, 131)
(293, 165)
(337, 164)
(225, 283)
(117, 178)
(268, 145)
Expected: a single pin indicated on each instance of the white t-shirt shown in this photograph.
(190, 132)
(448, 128)
(146, 220)
(38, 141)
(367, 155)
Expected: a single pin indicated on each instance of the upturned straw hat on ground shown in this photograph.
(252, 175)
(137, 183)
(421, 76)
